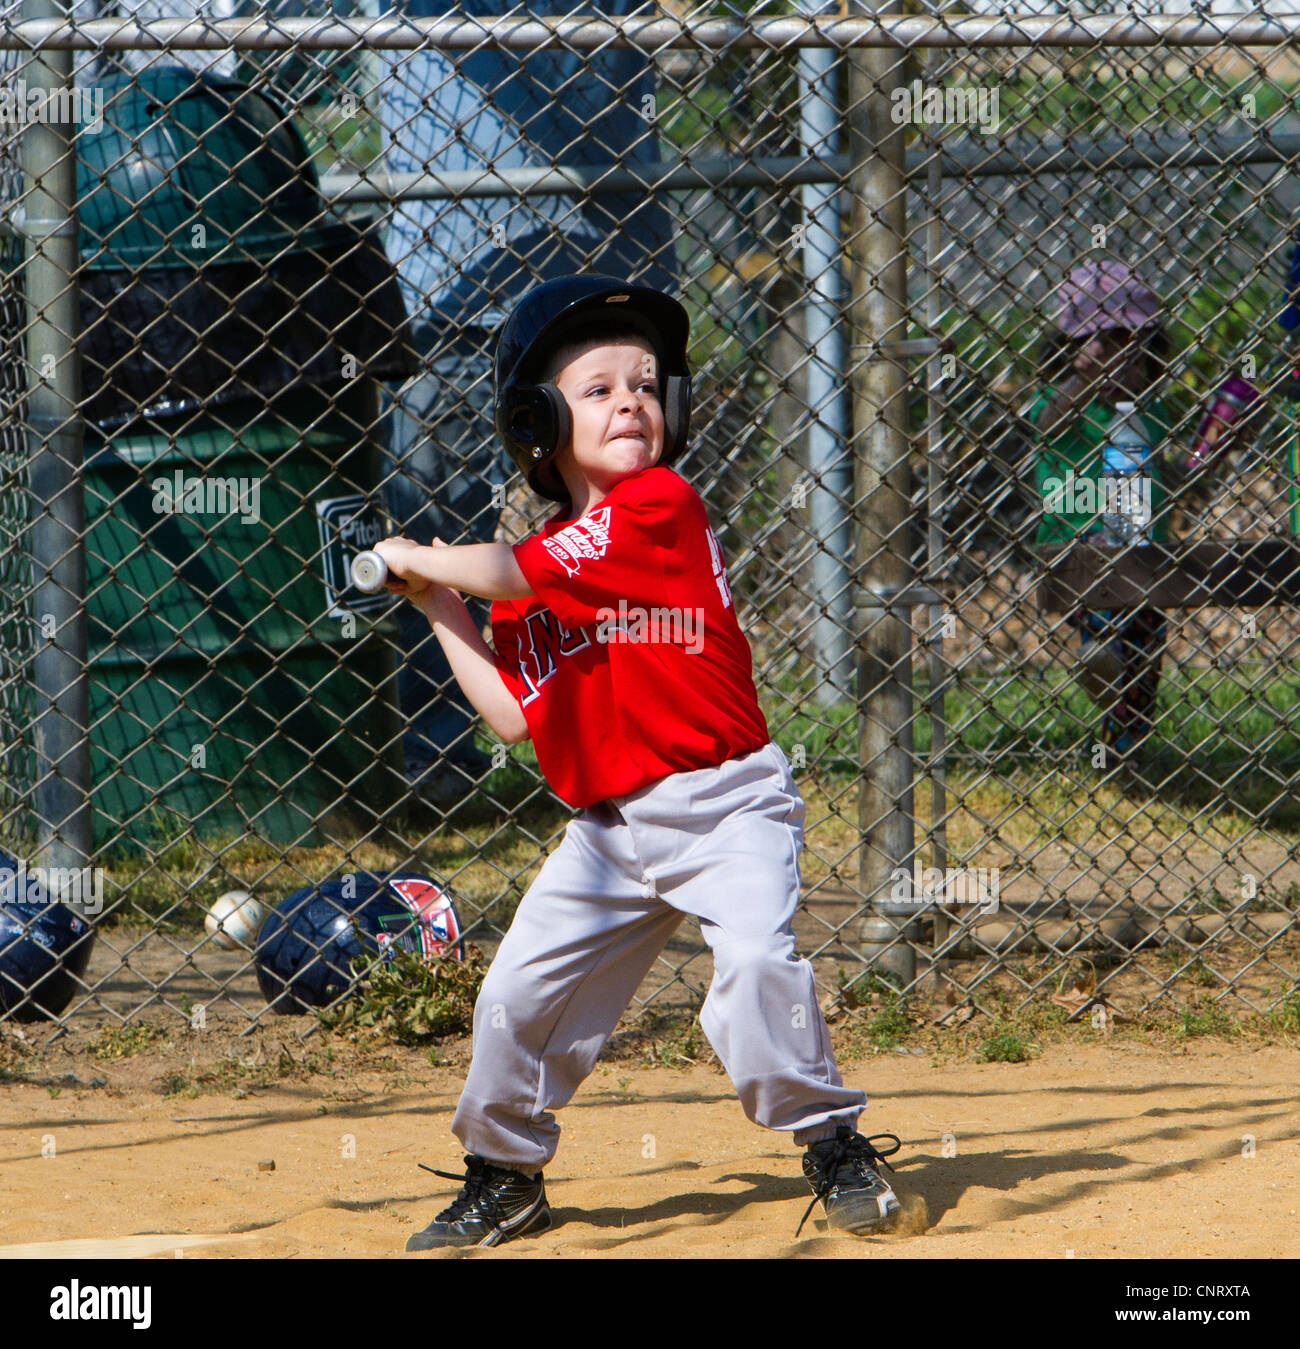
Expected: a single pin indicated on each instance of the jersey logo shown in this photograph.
(583, 540)
(548, 642)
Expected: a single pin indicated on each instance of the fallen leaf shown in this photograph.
(1089, 1001)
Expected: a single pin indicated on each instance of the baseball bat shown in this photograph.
(369, 572)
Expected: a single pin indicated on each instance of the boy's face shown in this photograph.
(612, 390)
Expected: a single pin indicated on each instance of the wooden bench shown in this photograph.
(1244, 573)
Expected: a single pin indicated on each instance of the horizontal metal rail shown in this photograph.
(378, 185)
(792, 171)
(901, 31)
(381, 186)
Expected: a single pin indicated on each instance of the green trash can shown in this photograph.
(237, 682)
(231, 683)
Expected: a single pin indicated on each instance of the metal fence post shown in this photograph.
(936, 516)
(55, 435)
(829, 463)
(882, 508)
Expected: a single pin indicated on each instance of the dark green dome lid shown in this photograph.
(190, 169)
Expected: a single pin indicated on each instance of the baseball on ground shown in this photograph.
(235, 919)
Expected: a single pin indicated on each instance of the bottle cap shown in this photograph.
(1125, 408)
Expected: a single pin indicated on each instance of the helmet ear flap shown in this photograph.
(544, 478)
(535, 422)
(677, 415)
(561, 424)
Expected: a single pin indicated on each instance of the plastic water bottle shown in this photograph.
(1126, 516)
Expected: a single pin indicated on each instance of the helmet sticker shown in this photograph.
(438, 929)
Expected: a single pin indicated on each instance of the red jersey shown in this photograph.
(627, 660)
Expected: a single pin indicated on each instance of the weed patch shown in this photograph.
(1007, 1044)
(123, 1042)
(409, 1000)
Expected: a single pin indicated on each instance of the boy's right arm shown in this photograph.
(472, 663)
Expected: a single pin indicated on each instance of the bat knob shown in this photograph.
(369, 572)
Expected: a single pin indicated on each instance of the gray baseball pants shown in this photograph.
(721, 844)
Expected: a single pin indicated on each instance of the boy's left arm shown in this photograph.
(488, 570)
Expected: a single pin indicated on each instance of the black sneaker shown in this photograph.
(842, 1173)
(495, 1205)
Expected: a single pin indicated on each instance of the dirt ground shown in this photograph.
(1119, 1148)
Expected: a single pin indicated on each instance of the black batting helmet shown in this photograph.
(310, 939)
(532, 418)
(44, 950)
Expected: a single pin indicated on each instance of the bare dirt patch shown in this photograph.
(1118, 1148)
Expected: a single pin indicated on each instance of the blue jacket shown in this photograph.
(448, 111)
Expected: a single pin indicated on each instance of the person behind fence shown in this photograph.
(462, 262)
(1101, 367)
(686, 806)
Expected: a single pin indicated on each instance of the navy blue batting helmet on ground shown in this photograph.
(532, 417)
(44, 950)
(310, 939)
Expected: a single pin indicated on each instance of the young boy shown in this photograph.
(618, 652)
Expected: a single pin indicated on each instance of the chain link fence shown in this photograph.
(251, 272)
